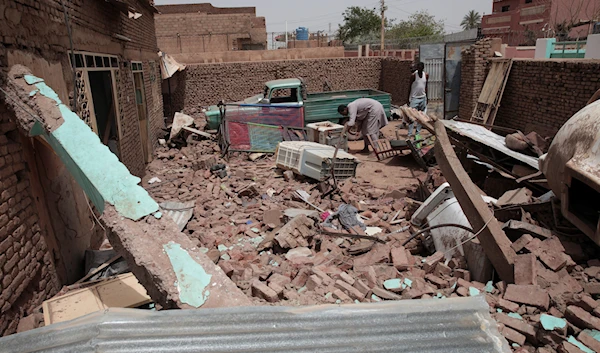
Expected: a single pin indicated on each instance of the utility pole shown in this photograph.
(382, 27)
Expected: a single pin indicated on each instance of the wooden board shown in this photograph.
(124, 291)
(492, 92)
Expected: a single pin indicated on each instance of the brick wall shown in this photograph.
(475, 63)
(541, 95)
(206, 84)
(94, 24)
(28, 276)
(395, 79)
(198, 32)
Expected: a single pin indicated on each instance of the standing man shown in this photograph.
(370, 116)
(418, 95)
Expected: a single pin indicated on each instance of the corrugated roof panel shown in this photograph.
(180, 212)
(457, 325)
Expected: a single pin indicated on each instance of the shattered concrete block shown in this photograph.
(261, 290)
(400, 258)
(161, 256)
(528, 294)
(432, 261)
(348, 289)
(525, 269)
(581, 318)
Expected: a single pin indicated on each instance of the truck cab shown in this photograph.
(289, 92)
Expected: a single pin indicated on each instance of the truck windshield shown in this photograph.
(284, 95)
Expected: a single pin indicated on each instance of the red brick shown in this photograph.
(313, 282)
(508, 305)
(463, 274)
(348, 289)
(525, 269)
(301, 277)
(261, 290)
(280, 279)
(432, 261)
(442, 270)
(528, 294)
(438, 282)
(581, 318)
(362, 287)
(384, 294)
(518, 325)
(513, 336)
(567, 347)
(587, 337)
(347, 278)
(341, 296)
(521, 242)
(584, 301)
(400, 258)
(554, 260)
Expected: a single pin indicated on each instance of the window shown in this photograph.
(506, 8)
(94, 61)
(284, 95)
(528, 1)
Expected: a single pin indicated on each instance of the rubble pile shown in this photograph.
(264, 228)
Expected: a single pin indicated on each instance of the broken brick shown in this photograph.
(590, 339)
(313, 282)
(438, 282)
(384, 294)
(341, 296)
(463, 274)
(521, 242)
(554, 260)
(432, 261)
(442, 270)
(348, 289)
(301, 277)
(581, 318)
(362, 287)
(347, 278)
(584, 301)
(400, 258)
(277, 289)
(518, 325)
(281, 280)
(525, 269)
(261, 290)
(528, 294)
(592, 288)
(513, 336)
(567, 347)
(507, 305)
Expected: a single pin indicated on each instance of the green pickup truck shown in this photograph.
(291, 92)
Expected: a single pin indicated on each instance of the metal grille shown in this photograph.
(435, 85)
(83, 98)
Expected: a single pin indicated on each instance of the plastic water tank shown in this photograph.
(302, 33)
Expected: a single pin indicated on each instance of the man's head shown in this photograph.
(343, 110)
(420, 67)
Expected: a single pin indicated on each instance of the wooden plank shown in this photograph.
(491, 94)
(197, 132)
(492, 118)
(494, 241)
(124, 291)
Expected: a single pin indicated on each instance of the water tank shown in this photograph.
(302, 33)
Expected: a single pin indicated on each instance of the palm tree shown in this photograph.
(471, 20)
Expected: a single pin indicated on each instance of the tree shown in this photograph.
(419, 24)
(471, 20)
(359, 22)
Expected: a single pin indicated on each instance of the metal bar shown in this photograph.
(494, 241)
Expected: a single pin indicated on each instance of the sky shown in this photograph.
(321, 14)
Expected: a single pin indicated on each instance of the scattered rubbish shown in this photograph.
(179, 212)
(154, 180)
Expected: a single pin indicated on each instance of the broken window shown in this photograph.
(284, 95)
(506, 8)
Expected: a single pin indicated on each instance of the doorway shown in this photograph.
(103, 98)
(140, 102)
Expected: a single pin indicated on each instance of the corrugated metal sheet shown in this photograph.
(180, 212)
(488, 138)
(458, 325)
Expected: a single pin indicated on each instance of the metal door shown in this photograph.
(432, 55)
(452, 78)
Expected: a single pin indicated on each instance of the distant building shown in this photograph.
(521, 22)
(200, 28)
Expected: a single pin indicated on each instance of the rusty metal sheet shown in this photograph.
(494, 241)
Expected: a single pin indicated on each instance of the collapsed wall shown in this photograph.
(207, 84)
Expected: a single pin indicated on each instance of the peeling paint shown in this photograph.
(97, 170)
(192, 279)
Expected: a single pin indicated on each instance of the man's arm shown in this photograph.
(352, 112)
(426, 84)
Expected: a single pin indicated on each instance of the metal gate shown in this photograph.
(452, 78)
(432, 55)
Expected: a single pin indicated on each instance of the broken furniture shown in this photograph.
(421, 150)
(315, 160)
(385, 149)
(123, 291)
(492, 92)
